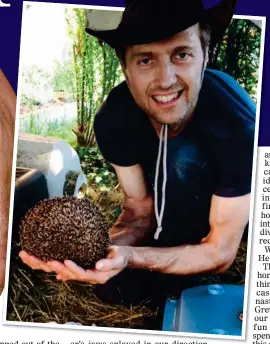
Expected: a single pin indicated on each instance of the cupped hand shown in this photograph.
(34, 262)
(105, 269)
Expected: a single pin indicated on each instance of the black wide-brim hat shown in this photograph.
(146, 21)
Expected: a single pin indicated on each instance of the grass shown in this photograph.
(38, 297)
(60, 128)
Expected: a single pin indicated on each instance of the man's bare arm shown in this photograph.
(7, 117)
(216, 252)
(137, 220)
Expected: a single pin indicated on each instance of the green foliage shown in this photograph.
(36, 86)
(97, 170)
(97, 71)
(36, 76)
(238, 54)
(63, 79)
(30, 102)
(36, 124)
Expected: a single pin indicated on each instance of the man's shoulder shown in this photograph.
(218, 76)
(225, 102)
(116, 107)
(118, 93)
(113, 126)
(116, 126)
(226, 117)
(225, 91)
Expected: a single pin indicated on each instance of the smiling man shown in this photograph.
(180, 138)
(165, 78)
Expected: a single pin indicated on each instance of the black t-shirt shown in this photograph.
(224, 120)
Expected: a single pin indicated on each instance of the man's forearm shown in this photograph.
(135, 224)
(181, 260)
(130, 234)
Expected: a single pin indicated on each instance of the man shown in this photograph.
(7, 121)
(180, 138)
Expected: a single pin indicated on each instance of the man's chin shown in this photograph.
(168, 120)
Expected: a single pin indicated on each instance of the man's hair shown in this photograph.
(205, 37)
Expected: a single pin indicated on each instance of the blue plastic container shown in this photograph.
(212, 309)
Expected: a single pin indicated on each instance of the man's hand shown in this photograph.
(105, 269)
(34, 262)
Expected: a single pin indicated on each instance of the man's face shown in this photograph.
(165, 77)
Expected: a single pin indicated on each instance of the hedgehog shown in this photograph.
(65, 228)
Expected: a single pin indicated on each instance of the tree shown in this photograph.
(238, 54)
(97, 71)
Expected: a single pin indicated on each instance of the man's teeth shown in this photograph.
(166, 99)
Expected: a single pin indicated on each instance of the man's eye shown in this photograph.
(145, 62)
(182, 56)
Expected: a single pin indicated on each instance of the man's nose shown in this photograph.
(166, 74)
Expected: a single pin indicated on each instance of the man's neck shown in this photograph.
(173, 129)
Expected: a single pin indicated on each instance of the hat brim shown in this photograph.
(217, 17)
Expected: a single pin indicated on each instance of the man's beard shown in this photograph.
(180, 120)
(175, 126)
(172, 125)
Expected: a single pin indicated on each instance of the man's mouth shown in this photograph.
(167, 99)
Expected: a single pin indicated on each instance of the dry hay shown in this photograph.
(108, 201)
(37, 297)
(70, 183)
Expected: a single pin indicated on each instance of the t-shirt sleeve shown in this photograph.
(235, 161)
(233, 136)
(114, 128)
